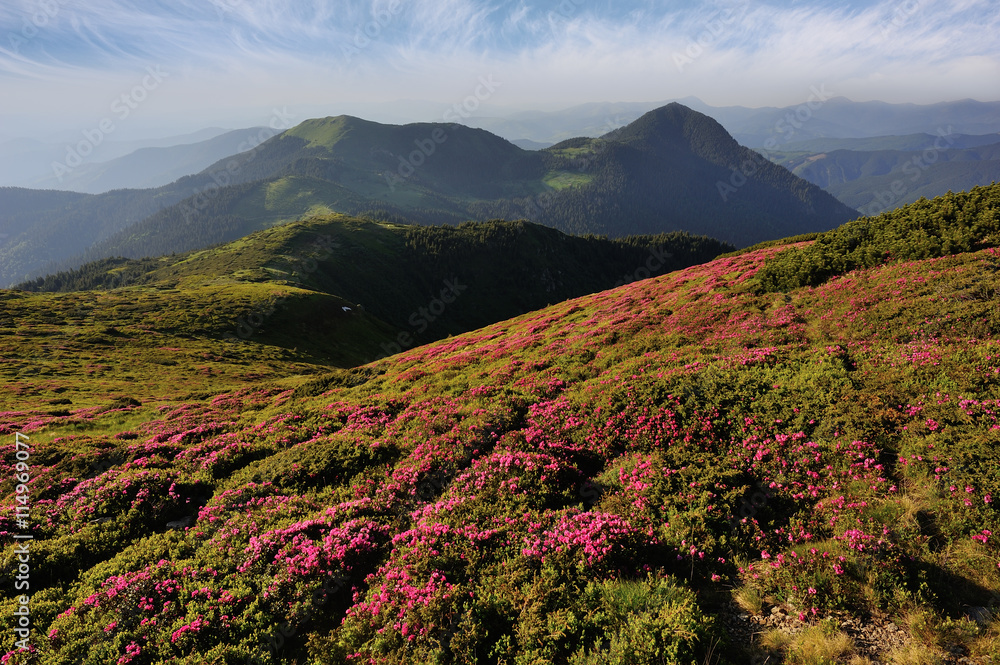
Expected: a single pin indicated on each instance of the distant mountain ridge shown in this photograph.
(659, 174)
(876, 180)
(40, 228)
(674, 169)
(29, 162)
(152, 166)
(843, 166)
(824, 115)
(919, 141)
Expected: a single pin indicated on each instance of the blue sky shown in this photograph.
(65, 63)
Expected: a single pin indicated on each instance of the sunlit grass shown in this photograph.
(812, 646)
(559, 180)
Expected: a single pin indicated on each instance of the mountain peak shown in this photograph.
(327, 132)
(674, 126)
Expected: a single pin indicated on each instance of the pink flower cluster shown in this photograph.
(858, 540)
(313, 547)
(514, 472)
(595, 535)
(131, 651)
(983, 536)
(195, 627)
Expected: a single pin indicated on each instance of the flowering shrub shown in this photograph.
(580, 484)
(163, 610)
(592, 539)
(307, 551)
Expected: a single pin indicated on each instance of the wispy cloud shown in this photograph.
(552, 52)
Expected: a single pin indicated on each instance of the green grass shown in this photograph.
(560, 180)
(322, 132)
(582, 148)
(294, 197)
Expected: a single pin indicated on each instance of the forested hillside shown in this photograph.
(489, 271)
(44, 228)
(922, 166)
(950, 224)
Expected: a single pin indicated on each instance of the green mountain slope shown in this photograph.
(679, 164)
(908, 142)
(396, 274)
(950, 224)
(890, 190)
(39, 229)
(449, 159)
(661, 472)
(673, 169)
(152, 167)
(873, 181)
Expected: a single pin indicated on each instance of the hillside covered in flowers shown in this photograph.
(610, 479)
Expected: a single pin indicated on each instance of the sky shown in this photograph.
(156, 68)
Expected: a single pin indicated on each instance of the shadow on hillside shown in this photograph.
(956, 595)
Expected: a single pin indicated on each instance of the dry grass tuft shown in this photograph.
(914, 654)
(749, 600)
(921, 627)
(813, 646)
(775, 640)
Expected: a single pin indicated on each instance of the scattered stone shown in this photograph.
(981, 615)
(181, 523)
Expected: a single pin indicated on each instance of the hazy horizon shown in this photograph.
(399, 112)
